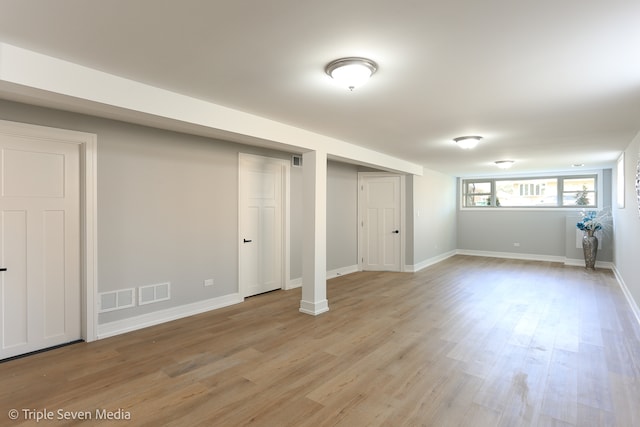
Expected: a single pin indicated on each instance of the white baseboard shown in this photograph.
(118, 327)
(512, 255)
(580, 263)
(429, 262)
(314, 308)
(331, 274)
(534, 257)
(627, 294)
(294, 283)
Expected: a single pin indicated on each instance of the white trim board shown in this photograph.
(627, 294)
(130, 324)
(511, 255)
(331, 274)
(429, 262)
(580, 263)
(293, 283)
(532, 257)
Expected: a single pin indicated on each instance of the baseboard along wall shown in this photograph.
(106, 330)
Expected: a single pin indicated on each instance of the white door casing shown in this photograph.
(48, 234)
(381, 231)
(262, 201)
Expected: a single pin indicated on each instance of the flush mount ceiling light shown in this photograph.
(504, 164)
(467, 142)
(351, 72)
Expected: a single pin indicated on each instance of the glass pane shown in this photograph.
(478, 201)
(579, 198)
(579, 192)
(579, 184)
(479, 187)
(527, 192)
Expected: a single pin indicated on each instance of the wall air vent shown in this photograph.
(117, 300)
(154, 293)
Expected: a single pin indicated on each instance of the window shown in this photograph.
(478, 193)
(531, 189)
(579, 191)
(527, 192)
(544, 192)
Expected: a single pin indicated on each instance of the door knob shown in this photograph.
(247, 241)
(396, 231)
(3, 269)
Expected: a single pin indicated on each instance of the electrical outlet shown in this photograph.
(208, 282)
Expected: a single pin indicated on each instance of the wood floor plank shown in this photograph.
(470, 341)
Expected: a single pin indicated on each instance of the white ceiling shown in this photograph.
(547, 83)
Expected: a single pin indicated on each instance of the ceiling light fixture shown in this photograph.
(504, 164)
(467, 142)
(351, 72)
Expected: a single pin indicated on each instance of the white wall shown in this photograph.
(431, 220)
(342, 216)
(627, 226)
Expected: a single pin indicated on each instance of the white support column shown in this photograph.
(314, 255)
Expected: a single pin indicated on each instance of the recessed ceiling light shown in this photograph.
(504, 164)
(577, 165)
(467, 142)
(351, 72)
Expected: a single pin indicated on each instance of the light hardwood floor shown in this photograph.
(468, 342)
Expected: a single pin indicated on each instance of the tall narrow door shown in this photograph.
(39, 244)
(380, 223)
(261, 224)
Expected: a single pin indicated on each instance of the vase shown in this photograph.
(590, 248)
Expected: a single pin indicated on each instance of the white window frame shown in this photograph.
(560, 175)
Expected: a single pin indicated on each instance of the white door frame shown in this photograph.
(362, 176)
(286, 231)
(88, 210)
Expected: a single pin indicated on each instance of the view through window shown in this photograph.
(558, 191)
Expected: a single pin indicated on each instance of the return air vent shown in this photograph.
(117, 300)
(154, 293)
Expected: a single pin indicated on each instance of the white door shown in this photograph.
(380, 204)
(39, 244)
(261, 224)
